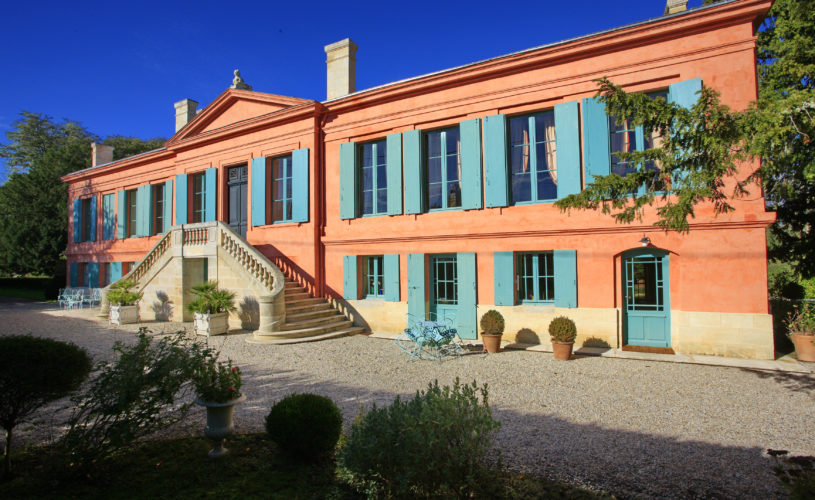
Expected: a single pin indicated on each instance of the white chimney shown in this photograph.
(674, 6)
(101, 154)
(341, 64)
(184, 113)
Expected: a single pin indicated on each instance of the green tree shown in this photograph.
(704, 146)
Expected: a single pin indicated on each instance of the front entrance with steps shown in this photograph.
(307, 319)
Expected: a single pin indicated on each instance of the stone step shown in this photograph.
(311, 322)
(314, 330)
(321, 306)
(291, 296)
(274, 339)
(314, 313)
(303, 302)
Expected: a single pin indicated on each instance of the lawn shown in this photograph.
(180, 468)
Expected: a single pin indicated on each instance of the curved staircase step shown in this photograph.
(312, 330)
(303, 302)
(293, 311)
(275, 339)
(312, 314)
(291, 324)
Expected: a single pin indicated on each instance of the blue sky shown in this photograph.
(117, 67)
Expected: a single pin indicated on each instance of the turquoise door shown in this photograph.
(444, 287)
(646, 299)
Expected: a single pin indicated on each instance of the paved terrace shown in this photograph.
(634, 427)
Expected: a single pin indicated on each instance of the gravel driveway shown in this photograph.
(629, 427)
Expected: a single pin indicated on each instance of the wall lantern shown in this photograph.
(645, 241)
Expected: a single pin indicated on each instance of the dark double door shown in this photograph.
(236, 187)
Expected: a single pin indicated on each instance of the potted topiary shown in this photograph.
(218, 387)
(563, 332)
(492, 328)
(801, 330)
(211, 308)
(124, 307)
(305, 426)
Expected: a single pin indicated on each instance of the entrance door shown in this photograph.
(444, 287)
(236, 182)
(646, 299)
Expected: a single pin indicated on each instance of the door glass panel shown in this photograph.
(644, 284)
(445, 286)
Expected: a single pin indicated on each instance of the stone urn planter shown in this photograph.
(562, 350)
(123, 315)
(210, 324)
(804, 348)
(219, 423)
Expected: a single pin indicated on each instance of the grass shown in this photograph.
(23, 293)
(180, 468)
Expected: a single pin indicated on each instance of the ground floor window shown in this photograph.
(445, 280)
(374, 269)
(536, 277)
(81, 274)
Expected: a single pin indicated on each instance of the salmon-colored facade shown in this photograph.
(528, 260)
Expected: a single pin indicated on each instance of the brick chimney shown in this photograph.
(674, 6)
(341, 64)
(184, 112)
(101, 154)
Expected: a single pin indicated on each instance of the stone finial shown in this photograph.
(238, 83)
(673, 6)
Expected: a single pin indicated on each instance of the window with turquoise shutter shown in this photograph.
(198, 192)
(443, 165)
(373, 186)
(374, 276)
(533, 158)
(542, 277)
(281, 189)
(108, 216)
(536, 277)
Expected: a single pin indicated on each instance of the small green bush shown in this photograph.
(120, 294)
(492, 323)
(432, 445)
(562, 329)
(34, 371)
(305, 426)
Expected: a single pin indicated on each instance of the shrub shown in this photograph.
(134, 395)
(492, 323)
(34, 371)
(209, 299)
(121, 295)
(562, 329)
(801, 321)
(305, 426)
(217, 382)
(433, 444)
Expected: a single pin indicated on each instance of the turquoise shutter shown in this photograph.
(299, 185)
(565, 278)
(414, 185)
(350, 290)
(470, 132)
(108, 216)
(77, 221)
(391, 276)
(115, 271)
(595, 139)
(93, 274)
(93, 218)
(684, 94)
(259, 191)
(348, 180)
(416, 284)
(144, 210)
(495, 161)
(74, 274)
(394, 167)
(504, 264)
(567, 149)
(181, 199)
(210, 193)
(121, 217)
(168, 205)
(466, 316)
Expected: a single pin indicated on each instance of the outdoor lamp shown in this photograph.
(645, 241)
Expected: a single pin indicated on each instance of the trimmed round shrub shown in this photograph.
(305, 426)
(562, 329)
(492, 323)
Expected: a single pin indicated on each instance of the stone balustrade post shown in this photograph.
(272, 311)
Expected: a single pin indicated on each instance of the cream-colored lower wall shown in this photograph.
(377, 315)
(735, 335)
(529, 324)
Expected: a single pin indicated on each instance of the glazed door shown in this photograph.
(646, 300)
(236, 183)
(443, 287)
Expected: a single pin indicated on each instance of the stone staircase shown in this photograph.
(308, 319)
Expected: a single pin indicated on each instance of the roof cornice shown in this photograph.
(131, 161)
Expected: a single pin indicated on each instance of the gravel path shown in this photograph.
(629, 427)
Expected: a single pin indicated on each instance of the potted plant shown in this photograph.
(801, 330)
(563, 332)
(124, 307)
(218, 386)
(492, 328)
(211, 308)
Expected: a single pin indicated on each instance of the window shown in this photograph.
(108, 216)
(533, 162)
(374, 269)
(158, 208)
(443, 168)
(127, 267)
(536, 277)
(82, 274)
(104, 275)
(445, 280)
(131, 231)
(198, 187)
(281, 189)
(625, 138)
(374, 178)
(87, 219)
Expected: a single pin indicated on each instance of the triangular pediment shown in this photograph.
(234, 106)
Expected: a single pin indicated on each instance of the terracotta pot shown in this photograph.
(804, 348)
(492, 343)
(219, 423)
(562, 350)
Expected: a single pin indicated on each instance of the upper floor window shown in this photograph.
(88, 219)
(443, 163)
(626, 138)
(533, 160)
(536, 277)
(374, 178)
(158, 208)
(374, 270)
(198, 190)
(281, 189)
(132, 211)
